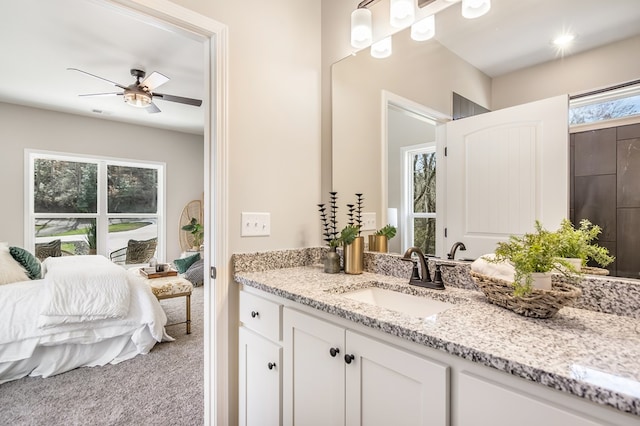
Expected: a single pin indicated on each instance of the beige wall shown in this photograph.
(31, 128)
(603, 67)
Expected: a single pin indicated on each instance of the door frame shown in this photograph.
(215, 102)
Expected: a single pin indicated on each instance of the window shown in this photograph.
(613, 104)
(419, 189)
(70, 196)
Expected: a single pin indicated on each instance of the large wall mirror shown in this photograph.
(371, 135)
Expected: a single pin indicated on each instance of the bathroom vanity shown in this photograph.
(319, 348)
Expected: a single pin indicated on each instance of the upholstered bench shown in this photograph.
(168, 288)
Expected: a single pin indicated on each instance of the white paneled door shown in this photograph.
(504, 170)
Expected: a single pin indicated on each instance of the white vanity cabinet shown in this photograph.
(260, 362)
(333, 375)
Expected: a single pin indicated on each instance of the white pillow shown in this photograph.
(10, 270)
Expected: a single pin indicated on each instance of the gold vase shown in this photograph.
(354, 257)
(381, 243)
(372, 243)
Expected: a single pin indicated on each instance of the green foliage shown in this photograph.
(388, 231)
(197, 230)
(349, 234)
(132, 189)
(91, 236)
(64, 186)
(532, 252)
(579, 243)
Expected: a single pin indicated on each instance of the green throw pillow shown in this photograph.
(183, 264)
(27, 260)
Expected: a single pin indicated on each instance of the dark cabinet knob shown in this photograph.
(334, 352)
(254, 314)
(348, 358)
(271, 365)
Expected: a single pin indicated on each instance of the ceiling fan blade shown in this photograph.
(179, 99)
(103, 94)
(99, 78)
(152, 108)
(154, 80)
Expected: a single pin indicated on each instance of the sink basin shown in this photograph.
(400, 302)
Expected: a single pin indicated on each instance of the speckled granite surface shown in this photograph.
(592, 355)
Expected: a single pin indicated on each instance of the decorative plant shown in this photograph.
(388, 231)
(358, 218)
(329, 222)
(197, 230)
(579, 243)
(349, 234)
(532, 252)
(91, 235)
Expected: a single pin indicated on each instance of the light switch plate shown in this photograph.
(369, 221)
(255, 224)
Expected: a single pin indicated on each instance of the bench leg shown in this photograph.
(188, 313)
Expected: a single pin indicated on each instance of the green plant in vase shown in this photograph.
(579, 243)
(197, 231)
(330, 234)
(531, 253)
(380, 239)
(91, 237)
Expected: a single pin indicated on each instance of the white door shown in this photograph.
(388, 386)
(259, 380)
(313, 376)
(504, 170)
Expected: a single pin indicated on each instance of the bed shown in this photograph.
(84, 312)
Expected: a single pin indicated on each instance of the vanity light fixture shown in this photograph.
(475, 8)
(424, 29)
(401, 13)
(381, 49)
(361, 31)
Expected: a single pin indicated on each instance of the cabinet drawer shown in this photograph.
(260, 315)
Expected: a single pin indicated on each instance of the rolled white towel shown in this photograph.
(502, 270)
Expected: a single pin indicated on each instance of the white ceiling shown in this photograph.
(40, 39)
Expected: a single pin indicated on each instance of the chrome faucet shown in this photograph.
(425, 280)
(452, 252)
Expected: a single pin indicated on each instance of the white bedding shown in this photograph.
(27, 349)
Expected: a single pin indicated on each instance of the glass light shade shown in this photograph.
(424, 29)
(475, 8)
(381, 49)
(361, 32)
(401, 13)
(137, 99)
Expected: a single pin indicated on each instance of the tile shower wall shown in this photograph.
(605, 188)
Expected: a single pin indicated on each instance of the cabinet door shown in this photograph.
(388, 386)
(313, 379)
(482, 402)
(259, 380)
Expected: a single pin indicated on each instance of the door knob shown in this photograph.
(348, 358)
(254, 314)
(334, 352)
(271, 365)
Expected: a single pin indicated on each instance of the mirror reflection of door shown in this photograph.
(411, 177)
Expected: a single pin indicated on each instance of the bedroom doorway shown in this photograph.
(216, 337)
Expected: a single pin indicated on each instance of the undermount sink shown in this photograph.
(400, 302)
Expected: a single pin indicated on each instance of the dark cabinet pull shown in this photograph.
(271, 365)
(334, 352)
(254, 314)
(348, 358)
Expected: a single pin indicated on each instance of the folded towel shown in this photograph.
(501, 270)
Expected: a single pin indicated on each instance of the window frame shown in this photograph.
(613, 94)
(406, 198)
(102, 215)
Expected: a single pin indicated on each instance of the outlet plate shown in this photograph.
(255, 224)
(369, 221)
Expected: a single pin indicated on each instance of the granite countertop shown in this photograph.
(593, 355)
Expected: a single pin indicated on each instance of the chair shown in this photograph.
(50, 249)
(135, 252)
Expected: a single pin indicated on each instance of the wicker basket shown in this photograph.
(538, 304)
(590, 270)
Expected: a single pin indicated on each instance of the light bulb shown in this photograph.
(361, 32)
(424, 29)
(401, 13)
(381, 49)
(475, 8)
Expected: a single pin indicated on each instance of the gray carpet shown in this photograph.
(164, 387)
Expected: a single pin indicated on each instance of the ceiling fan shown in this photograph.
(141, 93)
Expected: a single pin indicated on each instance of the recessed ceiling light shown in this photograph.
(564, 39)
